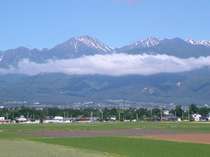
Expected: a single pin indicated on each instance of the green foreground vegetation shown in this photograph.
(135, 147)
(24, 148)
(20, 139)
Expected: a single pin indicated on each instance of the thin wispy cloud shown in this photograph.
(112, 65)
(130, 2)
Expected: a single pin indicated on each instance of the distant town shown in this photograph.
(39, 114)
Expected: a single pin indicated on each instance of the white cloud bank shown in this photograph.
(113, 64)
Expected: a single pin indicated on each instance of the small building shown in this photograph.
(134, 120)
(56, 119)
(196, 117)
(3, 120)
(113, 118)
(21, 119)
(169, 117)
(208, 116)
(179, 119)
(84, 120)
(166, 112)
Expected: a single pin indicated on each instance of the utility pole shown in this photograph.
(27, 115)
(91, 116)
(137, 117)
(185, 113)
(182, 114)
(123, 115)
(102, 114)
(151, 113)
(7, 116)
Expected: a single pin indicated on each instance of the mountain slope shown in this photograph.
(86, 45)
(174, 47)
(200, 42)
(72, 48)
(80, 46)
(183, 88)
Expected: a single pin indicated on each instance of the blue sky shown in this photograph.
(45, 23)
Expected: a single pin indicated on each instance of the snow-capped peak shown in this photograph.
(198, 42)
(149, 42)
(93, 43)
(78, 43)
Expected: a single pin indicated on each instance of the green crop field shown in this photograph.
(132, 147)
(20, 141)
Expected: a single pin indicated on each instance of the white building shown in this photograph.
(58, 119)
(196, 117)
(2, 118)
(113, 118)
(32, 122)
(21, 119)
(208, 117)
(166, 112)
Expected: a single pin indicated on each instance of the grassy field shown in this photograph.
(22, 148)
(20, 137)
(135, 147)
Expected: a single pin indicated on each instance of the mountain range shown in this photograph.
(86, 45)
(183, 87)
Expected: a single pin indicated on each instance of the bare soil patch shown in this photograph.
(203, 138)
(158, 134)
(103, 133)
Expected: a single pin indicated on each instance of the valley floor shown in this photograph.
(145, 139)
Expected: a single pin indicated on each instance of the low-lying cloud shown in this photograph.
(112, 64)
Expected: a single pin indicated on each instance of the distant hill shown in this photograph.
(183, 88)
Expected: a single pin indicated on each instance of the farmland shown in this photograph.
(114, 139)
(24, 148)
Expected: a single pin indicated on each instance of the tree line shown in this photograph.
(102, 114)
